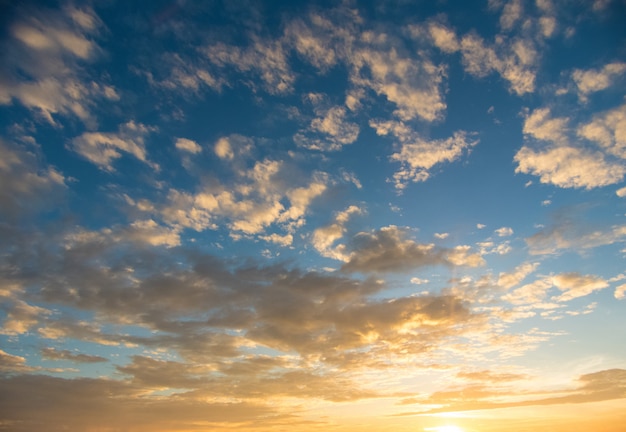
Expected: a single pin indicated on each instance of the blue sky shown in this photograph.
(315, 215)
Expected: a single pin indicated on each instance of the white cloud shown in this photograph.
(264, 59)
(441, 235)
(187, 145)
(608, 129)
(223, 149)
(511, 13)
(540, 125)
(594, 80)
(443, 38)
(329, 130)
(419, 281)
(621, 192)
(504, 231)
(569, 167)
(258, 197)
(620, 292)
(515, 61)
(102, 148)
(575, 285)
(325, 237)
(417, 155)
(376, 59)
(509, 280)
(42, 67)
(282, 240)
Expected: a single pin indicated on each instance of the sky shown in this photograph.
(313, 216)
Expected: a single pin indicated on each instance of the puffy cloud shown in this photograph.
(264, 59)
(572, 285)
(282, 240)
(188, 146)
(259, 196)
(621, 192)
(620, 292)
(504, 231)
(511, 13)
(569, 167)
(594, 80)
(575, 285)
(608, 129)
(102, 148)
(329, 131)
(324, 237)
(540, 125)
(388, 249)
(516, 61)
(532, 293)
(444, 38)
(21, 317)
(509, 280)
(418, 155)
(45, 51)
(377, 60)
(223, 150)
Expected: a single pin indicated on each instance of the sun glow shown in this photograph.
(448, 428)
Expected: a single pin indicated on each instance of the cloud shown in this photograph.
(324, 237)
(608, 129)
(504, 231)
(599, 386)
(21, 317)
(261, 195)
(27, 184)
(377, 60)
(417, 155)
(45, 51)
(102, 148)
(620, 292)
(54, 354)
(444, 38)
(568, 165)
(489, 376)
(594, 80)
(188, 146)
(540, 125)
(567, 233)
(330, 130)
(511, 13)
(264, 59)
(388, 249)
(76, 403)
(509, 280)
(515, 60)
(572, 285)
(575, 285)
